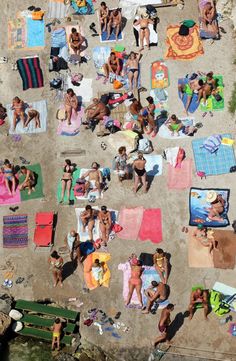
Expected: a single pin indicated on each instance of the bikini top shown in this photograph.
(159, 261)
(67, 169)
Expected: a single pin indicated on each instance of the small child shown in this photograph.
(56, 328)
(97, 271)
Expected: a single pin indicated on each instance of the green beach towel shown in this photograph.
(212, 103)
(76, 175)
(36, 168)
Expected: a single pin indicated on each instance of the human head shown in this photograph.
(132, 55)
(115, 12)
(88, 207)
(96, 261)
(103, 4)
(54, 254)
(211, 196)
(150, 100)
(144, 16)
(210, 75)
(95, 165)
(159, 251)
(135, 262)
(57, 320)
(122, 150)
(73, 233)
(73, 30)
(173, 117)
(16, 99)
(68, 162)
(70, 92)
(7, 162)
(95, 100)
(170, 307)
(200, 82)
(112, 55)
(104, 209)
(140, 155)
(134, 100)
(198, 291)
(23, 169)
(154, 283)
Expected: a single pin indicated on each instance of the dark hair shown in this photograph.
(103, 208)
(173, 116)
(98, 165)
(116, 12)
(150, 100)
(112, 53)
(68, 162)
(210, 74)
(70, 91)
(154, 283)
(73, 30)
(159, 250)
(22, 167)
(88, 207)
(170, 306)
(121, 149)
(103, 3)
(6, 162)
(200, 82)
(54, 254)
(96, 260)
(57, 320)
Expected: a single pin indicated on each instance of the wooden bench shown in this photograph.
(45, 322)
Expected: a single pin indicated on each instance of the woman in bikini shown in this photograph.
(208, 88)
(140, 172)
(144, 32)
(132, 66)
(148, 113)
(103, 16)
(217, 206)
(9, 177)
(206, 238)
(19, 111)
(104, 217)
(71, 104)
(33, 114)
(66, 180)
(75, 41)
(112, 66)
(56, 265)
(135, 281)
(161, 265)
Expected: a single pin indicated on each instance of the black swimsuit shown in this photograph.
(140, 172)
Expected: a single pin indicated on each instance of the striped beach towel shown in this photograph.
(15, 231)
(30, 72)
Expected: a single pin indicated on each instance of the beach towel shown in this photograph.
(17, 35)
(224, 289)
(171, 155)
(100, 57)
(198, 207)
(183, 47)
(165, 132)
(194, 104)
(75, 175)
(93, 191)
(224, 256)
(38, 193)
(35, 33)
(153, 165)
(5, 198)
(30, 72)
(15, 231)
(72, 129)
(83, 10)
(198, 255)
(151, 226)
(88, 277)
(57, 9)
(180, 178)
(58, 38)
(159, 75)
(41, 107)
(112, 38)
(213, 163)
(84, 91)
(211, 103)
(130, 219)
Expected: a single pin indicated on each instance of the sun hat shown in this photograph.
(211, 196)
(134, 262)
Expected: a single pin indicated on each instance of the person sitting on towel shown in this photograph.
(19, 111)
(205, 237)
(88, 217)
(198, 296)
(71, 104)
(193, 86)
(208, 17)
(114, 22)
(208, 88)
(217, 206)
(96, 111)
(155, 293)
(174, 124)
(105, 222)
(113, 65)
(103, 16)
(94, 179)
(29, 181)
(33, 114)
(160, 262)
(75, 41)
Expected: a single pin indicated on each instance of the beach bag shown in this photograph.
(79, 190)
(56, 83)
(145, 146)
(212, 143)
(117, 84)
(217, 97)
(188, 23)
(116, 228)
(183, 30)
(215, 298)
(81, 3)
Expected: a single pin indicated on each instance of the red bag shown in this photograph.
(116, 228)
(79, 190)
(97, 243)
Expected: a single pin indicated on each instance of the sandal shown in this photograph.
(198, 125)
(211, 114)
(103, 146)
(204, 114)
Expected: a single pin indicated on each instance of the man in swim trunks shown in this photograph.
(104, 217)
(19, 111)
(193, 86)
(174, 124)
(155, 293)
(88, 217)
(198, 296)
(75, 41)
(132, 66)
(56, 333)
(29, 181)
(71, 104)
(114, 23)
(163, 325)
(94, 179)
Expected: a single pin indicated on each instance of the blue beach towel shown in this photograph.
(35, 33)
(58, 38)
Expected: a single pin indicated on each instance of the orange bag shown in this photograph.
(81, 3)
(117, 84)
(37, 15)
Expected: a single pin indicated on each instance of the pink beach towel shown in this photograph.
(125, 267)
(130, 219)
(5, 198)
(180, 178)
(73, 129)
(151, 228)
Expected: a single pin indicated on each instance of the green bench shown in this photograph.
(45, 322)
(45, 335)
(46, 310)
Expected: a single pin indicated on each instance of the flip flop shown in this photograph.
(199, 125)
(204, 114)
(19, 280)
(24, 161)
(211, 114)
(103, 146)
(117, 316)
(114, 334)
(108, 329)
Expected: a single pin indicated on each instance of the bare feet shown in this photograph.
(145, 312)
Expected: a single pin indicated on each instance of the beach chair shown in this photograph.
(43, 233)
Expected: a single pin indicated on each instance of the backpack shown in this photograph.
(219, 308)
(145, 146)
(183, 30)
(188, 23)
(79, 189)
(212, 143)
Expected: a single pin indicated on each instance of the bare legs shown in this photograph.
(144, 34)
(21, 115)
(13, 182)
(143, 180)
(34, 116)
(57, 277)
(55, 340)
(65, 185)
(133, 287)
(105, 230)
(192, 308)
(133, 80)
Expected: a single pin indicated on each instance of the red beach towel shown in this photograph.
(151, 228)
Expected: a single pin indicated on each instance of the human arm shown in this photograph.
(137, 22)
(109, 219)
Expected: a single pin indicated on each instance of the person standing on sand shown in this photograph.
(163, 325)
(56, 265)
(140, 172)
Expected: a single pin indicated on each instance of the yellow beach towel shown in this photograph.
(227, 141)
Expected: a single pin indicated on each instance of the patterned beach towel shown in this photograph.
(15, 231)
(17, 33)
(30, 72)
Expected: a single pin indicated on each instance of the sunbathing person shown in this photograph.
(155, 293)
(88, 217)
(9, 176)
(121, 164)
(161, 265)
(135, 281)
(205, 237)
(66, 180)
(97, 110)
(144, 32)
(3, 113)
(217, 206)
(75, 41)
(114, 23)
(72, 242)
(19, 111)
(29, 181)
(33, 114)
(140, 172)
(94, 179)
(135, 111)
(113, 65)
(198, 296)
(132, 66)
(98, 271)
(174, 124)
(208, 88)
(193, 86)
(70, 103)
(148, 113)
(208, 17)
(91, 108)
(105, 222)
(163, 325)
(103, 16)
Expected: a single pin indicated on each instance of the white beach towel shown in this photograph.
(85, 89)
